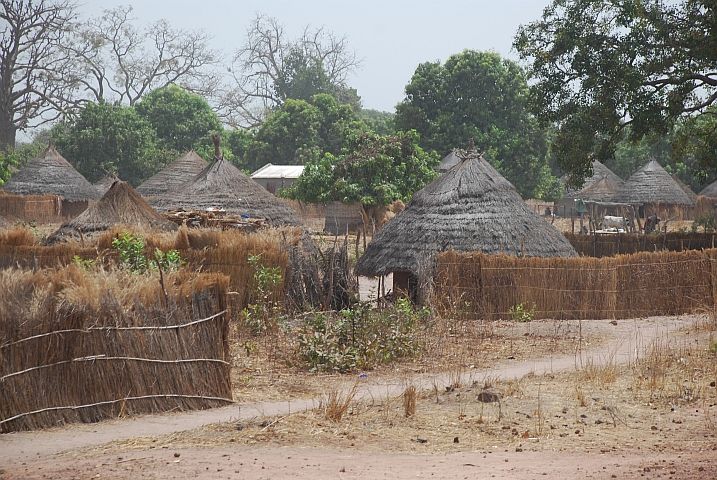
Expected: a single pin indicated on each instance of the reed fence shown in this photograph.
(611, 244)
(80, 346)
(30, 208)
(625, 286)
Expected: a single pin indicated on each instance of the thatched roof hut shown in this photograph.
(601, 191)
(652, 185)
(173, 175)
(449, 161)
(685, 188)
(471, 207)
(50, 173)
(106, 182)
(710, 190)
(600, 171)
(121, 205)
(222, 185)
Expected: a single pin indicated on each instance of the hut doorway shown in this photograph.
(405, 284)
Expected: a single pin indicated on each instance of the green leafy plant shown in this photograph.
(707, 221)
(359, 338)
(85, 264)
(520, 313)
(169, 262)
(131, 252)
(264, 313)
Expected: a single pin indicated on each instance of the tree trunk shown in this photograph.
(7, 132)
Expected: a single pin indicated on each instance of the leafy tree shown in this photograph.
(180, 118)
(601, 67)
(300, 132)
(30, 59)
(16, 158)
(373, 170)
(377, 121)
(109, 137)
(478, 95)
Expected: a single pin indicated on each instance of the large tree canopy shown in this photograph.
(373, 170)
(601, 66)
(478, 95)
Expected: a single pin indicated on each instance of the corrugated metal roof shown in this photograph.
(278, 171)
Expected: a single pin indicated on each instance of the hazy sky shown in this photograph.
(392, 37)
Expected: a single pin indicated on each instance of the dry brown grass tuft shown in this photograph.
(17, 236)
(337, 403)
(409, 401)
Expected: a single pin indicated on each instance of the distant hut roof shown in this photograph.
(710, 190)
(471, 207)
(121, 205)
(652, 184)
(601, 191)
(690, 194)
(222, 185)
(600, 171)
(173, 175)
(278, 171)
(449, 161)
(106, 182)
(50, 173)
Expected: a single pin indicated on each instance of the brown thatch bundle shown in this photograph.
(472, 207)
(600, 171)
(601, 191)
(106, 182)
(173, 175)
(651, 185)
(50, 173)
(222, 185)
(121, 205)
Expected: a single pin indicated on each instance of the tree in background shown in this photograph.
(479, 95)
(601, 67)
(30, 62)
(373, 170)
(182, 120)
(377, 121)
(110, 137)
(271, 68)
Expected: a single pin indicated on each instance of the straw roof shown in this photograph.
(651, 184)
(173, 175)
(710, 190)
(222, 185)
(449, 161)
(50, 173)
(685, 188)
(600, 171)
(106, 182)
(121, 205)
(601, 191)
(471, 207)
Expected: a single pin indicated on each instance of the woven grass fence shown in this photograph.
(626, 286)
(78, 346)
(30, 208)
(609, 245)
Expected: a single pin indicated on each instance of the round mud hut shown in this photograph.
(50, 173)
(470, 208)
(173, 175)
(121, 205)
(221, 185)
(654, 191)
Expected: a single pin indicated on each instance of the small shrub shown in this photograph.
(85, 264)
(169, 262)
(131, 252)
(263, 314)
(707, 221)
(519, 313)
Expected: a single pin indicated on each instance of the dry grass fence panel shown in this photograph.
(29, 208)
(611, 244)
(74, 347)
(661, 283)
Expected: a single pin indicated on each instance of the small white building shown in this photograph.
(273, 177)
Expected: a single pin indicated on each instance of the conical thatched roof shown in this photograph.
(690, 194)
(600, 171)
(449, 161)
(710, 190)
(50, 173)
(601, 191)
(106, 182)
(651, 184)
(472, 207)
(173, 175)
(121, 205)
(222, 185)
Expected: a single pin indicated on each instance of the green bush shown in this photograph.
(132, 257)
(520, 313)
(359, 338)
(707, 221)
(263, 313)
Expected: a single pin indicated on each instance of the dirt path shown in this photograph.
(29, 454)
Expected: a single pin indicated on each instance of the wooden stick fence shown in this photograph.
(627, 286)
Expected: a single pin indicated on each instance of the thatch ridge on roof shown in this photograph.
(173, 175)
(121, 205)
(223, 185)
(600, 171)
(601, 191)
(651, 184)
(51, 173)
(104, 184)
(470, 208)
